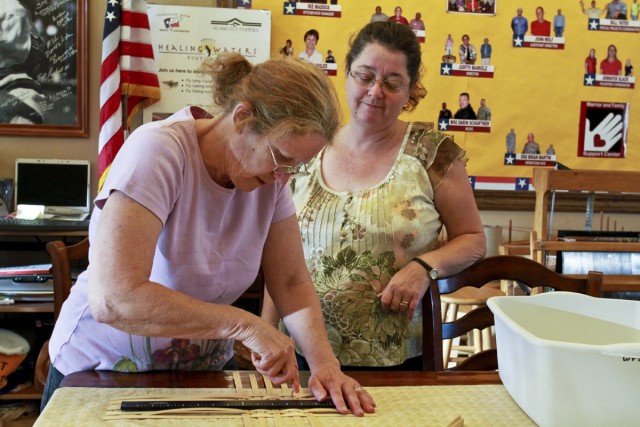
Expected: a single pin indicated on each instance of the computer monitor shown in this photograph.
(61, 186)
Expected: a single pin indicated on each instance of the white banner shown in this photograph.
(185, 36)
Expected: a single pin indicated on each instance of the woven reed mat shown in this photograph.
(478, 405)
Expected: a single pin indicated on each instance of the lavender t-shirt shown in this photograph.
(210, 248)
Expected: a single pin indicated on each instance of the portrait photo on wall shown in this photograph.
(478, 7)
(538, 32)
(42, 73)
(608, 72)
(310, 53)
(532, 152)
(466, 118)
(615, 16)
(473, 61)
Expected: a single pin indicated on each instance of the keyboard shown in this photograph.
(42, 224)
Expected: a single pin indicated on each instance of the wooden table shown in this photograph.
(407, 399)
(224, 379)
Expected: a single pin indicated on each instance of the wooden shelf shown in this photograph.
(586, 246)
(27, 393)
(566, 201)
(27, 307)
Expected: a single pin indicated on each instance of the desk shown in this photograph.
(14, 240)
(403, 399)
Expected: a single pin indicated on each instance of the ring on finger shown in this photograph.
(404, 303)
(357, 388)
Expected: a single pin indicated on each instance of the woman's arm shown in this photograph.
(466, 242)
(121, 294)
(294, 296)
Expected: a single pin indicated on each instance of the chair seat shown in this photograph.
(473, 296)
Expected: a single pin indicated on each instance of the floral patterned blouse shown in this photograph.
(355, 242)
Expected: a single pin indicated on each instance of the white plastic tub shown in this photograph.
(570, 360)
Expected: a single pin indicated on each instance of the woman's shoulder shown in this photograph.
(424, 133)
(431, 147)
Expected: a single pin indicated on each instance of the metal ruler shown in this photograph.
(161, 405)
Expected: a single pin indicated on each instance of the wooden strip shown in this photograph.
(269, 386)
(285, 390)
(457, 422)
(255, 388)
(237, 380)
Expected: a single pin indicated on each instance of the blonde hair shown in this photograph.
(287, 96)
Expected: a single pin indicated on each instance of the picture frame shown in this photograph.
(43, 81)
(475, 7)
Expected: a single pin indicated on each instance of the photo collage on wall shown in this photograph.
(603, 125)
(467, 60)
(471, 40)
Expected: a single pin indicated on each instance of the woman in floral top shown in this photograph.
(375, 200)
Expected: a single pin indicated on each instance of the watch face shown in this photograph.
(433, 274)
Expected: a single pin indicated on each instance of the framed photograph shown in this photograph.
(43, 68)
(477, 7)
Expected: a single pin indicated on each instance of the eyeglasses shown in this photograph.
(299, 169)
(368, 80)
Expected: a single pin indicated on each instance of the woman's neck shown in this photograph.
(213, 139)
(365, 140)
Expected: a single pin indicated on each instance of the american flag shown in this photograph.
(127, 69)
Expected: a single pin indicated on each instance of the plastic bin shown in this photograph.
(568, 359)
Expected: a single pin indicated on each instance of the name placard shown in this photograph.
(618, 25)
(312, 9)
(459, 125)
(603, 80)
(330, 69)
(513, 159)
(539, 42)
(467, 70)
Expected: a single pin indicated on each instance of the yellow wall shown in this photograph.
(533, 90)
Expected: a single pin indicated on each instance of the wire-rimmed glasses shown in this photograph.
(299, 169)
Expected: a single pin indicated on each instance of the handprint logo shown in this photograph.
(605, 135)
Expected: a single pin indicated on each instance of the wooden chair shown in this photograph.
(484, 271)
(464, 300)
(62, 257)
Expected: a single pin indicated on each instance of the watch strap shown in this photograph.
(425, 265)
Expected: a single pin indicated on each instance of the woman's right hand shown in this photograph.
(273, 354)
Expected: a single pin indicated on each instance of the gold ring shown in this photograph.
(404, 302)
(357, 388)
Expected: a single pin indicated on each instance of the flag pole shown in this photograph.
(125, 118)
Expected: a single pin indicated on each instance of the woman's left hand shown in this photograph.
(327, 381)
(405, 290)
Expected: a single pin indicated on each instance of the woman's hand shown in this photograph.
(405, 289)
(346, 393)
(273, 354)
